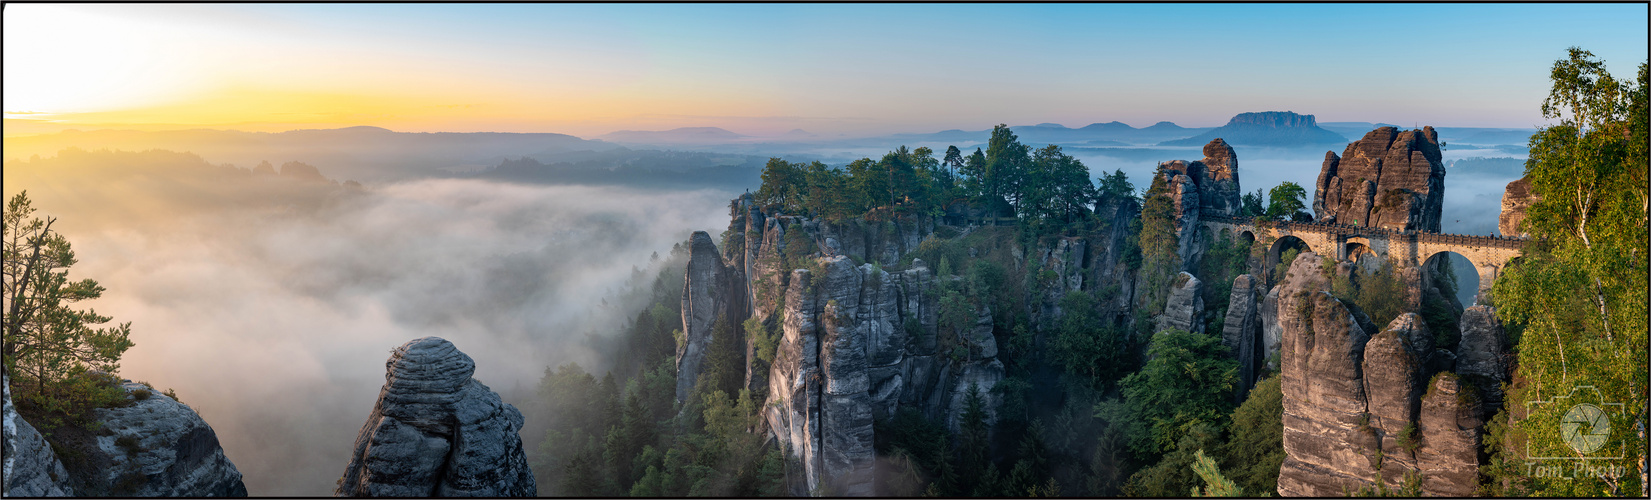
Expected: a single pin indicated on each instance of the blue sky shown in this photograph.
(832, 68)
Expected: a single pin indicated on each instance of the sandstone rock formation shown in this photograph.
(1185, 308)
(154, 447)
(159, 447)
(1327, 439)
(31, 468)
(1449, 427)
(1516, 200)
(1180, 179)
(1241, 332)
(435, 431)
(860, 342)
(1482, 356)
(1355, 411)
(1218, 190)
(710, 290)
(1387, 179)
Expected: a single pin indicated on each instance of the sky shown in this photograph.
(830, 69)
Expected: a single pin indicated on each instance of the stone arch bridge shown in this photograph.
(1489, 254)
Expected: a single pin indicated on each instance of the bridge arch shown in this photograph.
(1284, 244)
(1468, 283)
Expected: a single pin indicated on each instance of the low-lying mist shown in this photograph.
(272, 314)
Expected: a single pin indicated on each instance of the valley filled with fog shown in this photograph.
(270, 299)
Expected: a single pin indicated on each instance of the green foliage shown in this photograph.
(1250, 205)
(46, 341)
(1086, 345)
(973, 455)
(1121, 426)
(1174, 474)
(1226, 259)
(1282, 269)
(917, 445)
(1255, 451)
(1187, 381)
(1114, 186)
(1379, 293)
(1578, 293)
(1286, 202)
(724, 365)
(1158, 241)
(1215, 484)
(764, 338)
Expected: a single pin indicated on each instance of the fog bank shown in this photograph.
(274, 321)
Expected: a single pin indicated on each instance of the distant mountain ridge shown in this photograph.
(1267, 128)
(361, 153)
(692, 135)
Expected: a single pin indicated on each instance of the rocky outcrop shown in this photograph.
(1241, 332)
(1387, 179)
(157, 447)
(31, 468)
(1066, 259)
(1516, 200)
(1482, 356)
(1355, 411)
(1218, 190)
(435, 431)
(1449, 428)
(1327, 440)
(710, 290)
(1180, 179)
(1185, 308)
(1393, 380)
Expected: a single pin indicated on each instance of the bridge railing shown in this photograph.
(1352, 230)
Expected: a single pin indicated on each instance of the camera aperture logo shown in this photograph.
(1585, 428)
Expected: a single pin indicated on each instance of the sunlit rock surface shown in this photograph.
(1387, 179)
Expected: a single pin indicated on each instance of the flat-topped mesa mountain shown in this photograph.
(856, 316)
(1388, 179)
(156, 446)
(1269, 128)
(435, 431)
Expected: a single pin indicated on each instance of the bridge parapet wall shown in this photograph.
(1489, 254)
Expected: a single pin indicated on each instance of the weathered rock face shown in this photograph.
(159, 447)
(435, 431)
(1180, 177)
(1185, 308)
(1516, 200)
(1450, 429)
(1482, 356)
(1393, 384)
(1218, 190)
(1326, 446)
(154, 447)
(1241, 332)
(710, 290)
(1354, 408)
(31, 468)
(1066, 259)
(1387, 179)
(847, 355)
